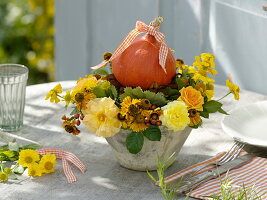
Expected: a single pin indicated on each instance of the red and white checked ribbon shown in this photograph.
(141, 27)
(65, 156)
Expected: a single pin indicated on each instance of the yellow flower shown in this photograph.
(192, 98)
(3, 177)
(206, 90)
(234, 89)
(175, 116)
(48, 163)
(35, 170)
(205, 63)
(101, 117)
(137, 127)
(130, 105)
(68, 98)
(52, 94)
(202, 75)
(28, 157)
(179, 63)
(86, 84)
(192, 70)
(194, 116)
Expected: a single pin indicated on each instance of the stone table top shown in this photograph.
(105, 179)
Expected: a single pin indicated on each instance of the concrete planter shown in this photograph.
(147, 158)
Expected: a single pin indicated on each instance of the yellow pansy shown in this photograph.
(53, 94)
(48, 163)
(234, 89)
(175, 116)
(101, 117)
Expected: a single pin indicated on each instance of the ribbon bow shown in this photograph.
(65, 156)
(141, 27)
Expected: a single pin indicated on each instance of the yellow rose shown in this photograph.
(100, 117)
(192, 98)
(175, 116)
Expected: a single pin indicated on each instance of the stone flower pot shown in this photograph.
(147, 158)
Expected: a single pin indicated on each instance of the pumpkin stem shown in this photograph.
(157, 21)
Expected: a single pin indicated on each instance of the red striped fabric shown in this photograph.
(253, 173)
(65, 156)
(141, 27)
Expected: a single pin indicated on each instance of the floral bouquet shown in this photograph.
(140, 88)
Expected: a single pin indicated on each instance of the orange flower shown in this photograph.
(192, 98)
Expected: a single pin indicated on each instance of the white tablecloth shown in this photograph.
(105, 179)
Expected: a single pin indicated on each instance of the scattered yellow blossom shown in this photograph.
(101, 117)
(35, 170)
(53, 94)
(192, 98)
(28, 157)
(68, 98)
(234, 89)
(205, 63)
(3, 176)
(48, 163)
(202, 75)
(175, 116)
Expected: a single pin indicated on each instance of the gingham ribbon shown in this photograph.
(65, 156)
(141, 27)
(251, 173)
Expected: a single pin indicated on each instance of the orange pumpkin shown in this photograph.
(139, 64)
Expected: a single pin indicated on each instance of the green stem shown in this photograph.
(224, 96)
(60, 96)
(4, 138)
(16, 165)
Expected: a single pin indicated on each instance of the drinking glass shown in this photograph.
(13, 80)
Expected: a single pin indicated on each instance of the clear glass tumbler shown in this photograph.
(13, 81)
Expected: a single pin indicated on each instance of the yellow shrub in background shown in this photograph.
(27, 36)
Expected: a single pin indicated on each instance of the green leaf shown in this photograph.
(138, 93)
(10, 154)
(101, 71)
(12, 177)
(134, 142)
(152, 133)
(100, 92)
(30, 146)
(19, 170)
(204, 114)
(222, 111)
(114, 92)
(212, 106)
(3, 157)
(155, 98)
(75, 110)
(13, 146)
(180, 83)
(150, 176)
(4, 148)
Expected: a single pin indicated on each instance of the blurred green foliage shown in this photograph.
(27, 36)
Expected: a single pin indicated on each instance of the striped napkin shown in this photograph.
(252, 173)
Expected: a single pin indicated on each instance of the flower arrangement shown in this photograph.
(143, 93)
(105, 106)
